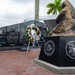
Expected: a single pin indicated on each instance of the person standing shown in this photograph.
(34, 39)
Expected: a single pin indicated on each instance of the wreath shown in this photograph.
(32, 27)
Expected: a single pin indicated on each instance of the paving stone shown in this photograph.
(13, 62)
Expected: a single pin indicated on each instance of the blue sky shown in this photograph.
(15, 11)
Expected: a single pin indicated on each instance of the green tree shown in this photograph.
(55, 7)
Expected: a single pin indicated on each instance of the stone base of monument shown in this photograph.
(54, 68)
(59, 51)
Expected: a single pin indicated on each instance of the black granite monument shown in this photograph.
(3, 40)
(12, 35)
(59, 50)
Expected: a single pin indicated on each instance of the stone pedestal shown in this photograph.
(59, 51)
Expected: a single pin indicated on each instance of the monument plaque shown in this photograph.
(70, 49)
(49, 48)
(3, 37)
(2, 40)
(12, 35)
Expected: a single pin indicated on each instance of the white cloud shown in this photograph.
(19, 9)
(7, 6)
(15, 11)
(43, 9)
(3, 6)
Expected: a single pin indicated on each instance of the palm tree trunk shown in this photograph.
(37, 10)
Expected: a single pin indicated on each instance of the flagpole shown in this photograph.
(37, 10)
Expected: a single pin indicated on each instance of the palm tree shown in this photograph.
(55, 7)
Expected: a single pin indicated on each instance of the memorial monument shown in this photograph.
(65, 21)
(59, 48)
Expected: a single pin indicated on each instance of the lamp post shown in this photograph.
(37, 10)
